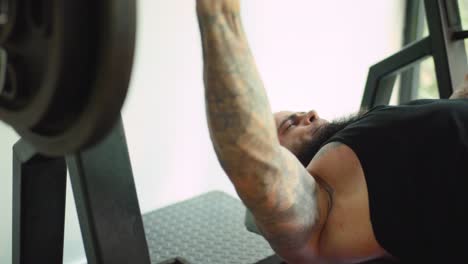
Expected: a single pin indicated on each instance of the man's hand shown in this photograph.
(462, 91)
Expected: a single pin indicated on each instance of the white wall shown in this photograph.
(8, 138)
(311, 54)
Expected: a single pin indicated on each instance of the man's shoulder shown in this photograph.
(339, 167)
(332, 151)
(330, 148)
(333, 162)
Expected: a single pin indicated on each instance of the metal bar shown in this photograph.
(384, 93)
(414, 28)
(107, 203)
(459, 35)
(443, 18)
(39, 190)
(392, 65)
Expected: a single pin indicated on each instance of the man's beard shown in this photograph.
(324, 133)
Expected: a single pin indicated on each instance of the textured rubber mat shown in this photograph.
(208, 229)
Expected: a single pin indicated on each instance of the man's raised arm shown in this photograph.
(269, 179)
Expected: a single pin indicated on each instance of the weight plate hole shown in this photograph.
(10, 88)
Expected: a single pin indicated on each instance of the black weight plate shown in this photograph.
(72, 63)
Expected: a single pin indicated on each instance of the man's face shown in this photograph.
(296, 129)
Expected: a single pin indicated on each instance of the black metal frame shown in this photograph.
(106, 201)
(444, 43)
(39, 186)
(460, 35)
(414, 29)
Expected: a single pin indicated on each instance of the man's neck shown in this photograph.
(323, 134)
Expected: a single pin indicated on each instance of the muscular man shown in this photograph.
(386, 183)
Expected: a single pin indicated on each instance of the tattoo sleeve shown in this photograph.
(268, 178)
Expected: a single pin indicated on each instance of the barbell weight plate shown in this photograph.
(72, 65)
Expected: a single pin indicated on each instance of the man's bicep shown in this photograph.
(293, 213)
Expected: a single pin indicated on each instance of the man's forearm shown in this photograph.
(240, 120)
(268, 178)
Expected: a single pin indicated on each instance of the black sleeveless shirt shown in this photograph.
(415, 161)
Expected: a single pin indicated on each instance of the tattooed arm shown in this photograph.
(271, 182)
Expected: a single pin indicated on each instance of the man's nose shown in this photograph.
(309, 117)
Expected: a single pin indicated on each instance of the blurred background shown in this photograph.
(311, 55)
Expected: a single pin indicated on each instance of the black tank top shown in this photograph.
(415, 161)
